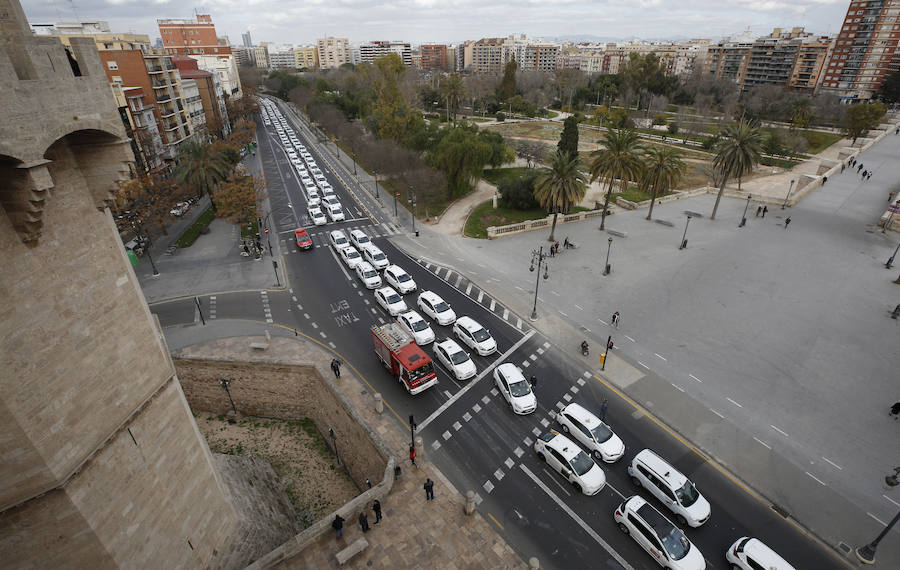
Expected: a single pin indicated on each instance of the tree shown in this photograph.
(507, 88)
(568, 140)
(646, 75)
(201, 169)
(772, 145)
(619, 160)
(568, 80)
(802, 112)
(239, 198)
(461, 155)
(518, 193)
(663, 169)
(889, 92)
(561, 187)
(452, 90)
(861, 118)
(737, 153)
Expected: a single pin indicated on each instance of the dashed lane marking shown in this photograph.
(554, 292)
(579, 307)
(677, 387)
(762, 443)
(629, 338)
(868, 513)
(781, 431)
(836, 466)
(469, 289)
(519, 324)
(735, 403)
(505, 314)
(563, 314)
(480, 295)
(314, 325)
(717, 413)
(493, 304)
(817, 480)
(695, 378)
(663, 358)
(644, 365)
(488, 486)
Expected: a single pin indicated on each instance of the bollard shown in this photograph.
(533, 563)
(420, 444)
(470, 503)
(379, 403)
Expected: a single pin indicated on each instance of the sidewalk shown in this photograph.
(413, 533)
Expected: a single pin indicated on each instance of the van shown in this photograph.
(670, 486)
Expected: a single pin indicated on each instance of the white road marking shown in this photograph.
(469, 289)
(677, 387)
(578, 520)
(663, 358)
(563, 314)
(332, 345)
(762, 443)
(498, 474)
(519, 324)
(782, 432)
(717, 413)
(505, 314)
(891, 500)
(579, 307)
(321, 334)
(480, 295)
(488, 486)
(493, 304)
(314, 325)
(629, 338)
(554, 292)
(519, 288)
(644, 365)
(602, 322)
(816, 479)
(735, 403)
(695, 378)
(836, 466)
(873, 516)
(458, 280)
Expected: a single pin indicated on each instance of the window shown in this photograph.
(111, 65)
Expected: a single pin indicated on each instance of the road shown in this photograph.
(469, 431)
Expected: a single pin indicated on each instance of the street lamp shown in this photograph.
(268, 237)
(225, 384)
(414, 211)
(540, 256)
(744, 218)
(684, 235)
(140, 228)
(375, 172)
(890, 261)
(275, 267)
(607, 268)
(791, 187)
(866, 554)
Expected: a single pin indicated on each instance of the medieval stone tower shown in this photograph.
(101, 463)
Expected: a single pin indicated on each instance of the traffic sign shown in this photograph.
(267, 231)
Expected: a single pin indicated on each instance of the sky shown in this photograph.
(448, 21)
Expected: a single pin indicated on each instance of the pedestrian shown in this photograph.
(765, 211)
(858, 168)
(368, 483)
(842, 167)
(824, 180)
(566, 244)
(863, 175)
(895, 411)
(868, 176)
(787, 222)
(338, 525)
(429, 490)
(533, 381)
(615, 319)
(556, 247)
(364, 521)
(603, 407)
(758, 211)
(336, 367)
(412, 455)
(897, 132)
(552, 252)
(376, 506)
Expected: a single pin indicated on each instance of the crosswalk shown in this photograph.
(319, 235)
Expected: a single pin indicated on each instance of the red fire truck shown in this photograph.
(406, 361)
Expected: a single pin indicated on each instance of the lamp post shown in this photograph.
(890, 261)
(334, 444)
(412, 200)
(607, 268)
(744, 218)
(396, 195)
(225, 384)
(268, 237)
(684, 235)
(866, 554)
(275, 267)
(540, 256)
(140, 228)
(375, 173)
(791, 187)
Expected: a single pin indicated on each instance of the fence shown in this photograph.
(529, 225)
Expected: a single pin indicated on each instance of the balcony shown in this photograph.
(154, 69)
(164, 98)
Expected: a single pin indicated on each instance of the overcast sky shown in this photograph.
(424, 21)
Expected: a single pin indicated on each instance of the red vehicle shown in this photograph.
(406, 361)
(303, 239)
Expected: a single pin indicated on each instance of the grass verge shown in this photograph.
(190, 235)
(497, 176)
(485, 216)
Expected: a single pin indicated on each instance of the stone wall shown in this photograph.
(287, 392)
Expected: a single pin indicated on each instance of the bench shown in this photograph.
(262, 345)
(617, 233)
(355, 548)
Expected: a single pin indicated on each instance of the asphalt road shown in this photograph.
(468, 430)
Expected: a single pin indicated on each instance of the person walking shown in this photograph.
(376, 506)
(533, 381)
(429, 490)
(336, 367)
(765, 211)
(868, 176)
(859, 168)
(566, 244)
(787, 222)
(758, 211)
(364, 521)
(338, 525)
(895, 411)
(842, 167)
(615, 319)
(412, 455)
(603, 407)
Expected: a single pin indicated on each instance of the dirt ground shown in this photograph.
(297, 452)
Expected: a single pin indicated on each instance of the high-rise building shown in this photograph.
(306, 57)
(537, 57)
(464, 55)
(489, 55)
(245, 37)
(866, 50)
(728, 58)
(811, 60)
(198, 39)
(333, 52)
(434, 56)
(771, 59)
(370, 51)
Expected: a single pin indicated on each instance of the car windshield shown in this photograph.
(340, 240)
(481, 335)
(676, 544)
(379, 256)
(520, 388)
(440, 307)
(459, 357)
(403, 278)
(352, 254)
(391, 299)
(362, 239)
(581, 463)
(601, 433)
(420, 325)
(421, 372)
(369, 273)
(687, 495)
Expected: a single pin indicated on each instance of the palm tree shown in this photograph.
(452, 90)
(736, 154)
(663, 169)
(201, 169)
(620, 161)
(560, 187)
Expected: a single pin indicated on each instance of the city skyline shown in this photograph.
(425, 21)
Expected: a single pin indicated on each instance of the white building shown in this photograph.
(190, 95)
(370, 51)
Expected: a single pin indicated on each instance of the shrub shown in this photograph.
(518, 193)
(500, 116)
(660, 119)
(673, 128)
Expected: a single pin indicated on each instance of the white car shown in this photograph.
(320, 178)
(331, 201)
(657, 535)
(398, 279)
(359, 239)
(436, 308)
(454, 358)
(515, 389)
(750, 553)
(312, 197)
(367, 274)
(473, 335)
(326, 188)
(561, 453)
(417, 327)
(591, 433)
(318, 218)
(338, 239)
(671, 487)
(390, 301)
(350, 256)
(376, 257)
(335, 213)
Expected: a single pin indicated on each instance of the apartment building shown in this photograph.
(568, 57)
(306, 57)
(197, 39)
(537, 57)
(243, 55)
(434, 57)
(463, 54)
(282, 58)
(370, 51)
(209, 93)
(689, 56)
(866, 50)
(333, 52)
(728, 59)
(771, 59)
(812, 58)
(193, 106)
(141, 127)
(489, 55)
(261, 56)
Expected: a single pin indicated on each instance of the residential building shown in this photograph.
(193, 106)
(689, 56)
(243, 55)
(197, 39)
(307, 57)
(282, 58)
(866, 50)
(245, 38)
(812, 58)
(209, 92)
(463, 54)
(434, 56)
(261, 56)
(568, 57)
(538, 57)
(355, 58)
(728, 59)
(489, 55)
(225, 68)
(333, 52)
(772, 58)
(370, 51)
(140, 126)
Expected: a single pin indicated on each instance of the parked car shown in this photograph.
(436, 308)
(398, 279)
(515, 389)
(751, 554)
(657, 535)
(474, 336)
(588, 430)
(670, 486)
(413, 323)
(457, 361)
(561, 453)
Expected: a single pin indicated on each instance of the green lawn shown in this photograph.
(497, 176)
(485, 216)
(819, 141)
(190, 235)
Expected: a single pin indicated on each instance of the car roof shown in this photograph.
(450, 344)
(761, 553)
(430, 296)
(413, 315)
(336, 233)
(373, 249)
(584, 416)
(358, 233)
(363, 265)
(468, 323)
(563, 445)
(301, 232)
(509, 370)
(394, 268)
(348, 249)
(386, 290)
(661, 467)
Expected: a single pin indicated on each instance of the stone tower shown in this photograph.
(101, 462)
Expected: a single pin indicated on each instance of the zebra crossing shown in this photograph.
(319, 235)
